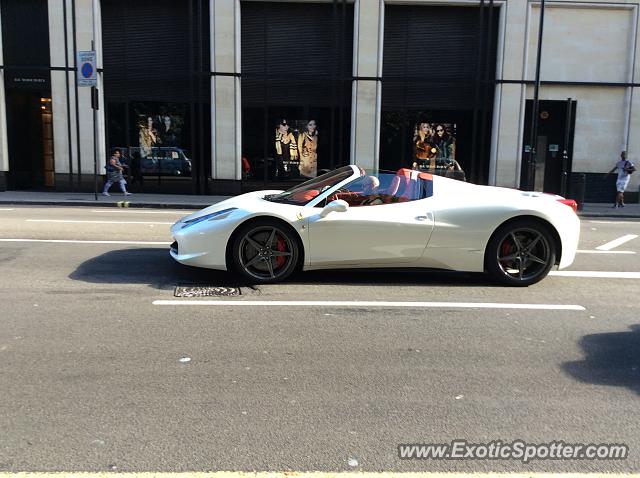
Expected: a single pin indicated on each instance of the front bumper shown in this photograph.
(194, 259)
(201, 245)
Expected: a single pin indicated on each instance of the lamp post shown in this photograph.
(533, 139)
(565, 152)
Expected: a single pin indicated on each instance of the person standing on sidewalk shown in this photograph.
(114, 174)
(624, 168)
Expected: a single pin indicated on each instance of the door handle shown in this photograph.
(422, 218)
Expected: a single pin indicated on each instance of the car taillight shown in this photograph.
(571, 203)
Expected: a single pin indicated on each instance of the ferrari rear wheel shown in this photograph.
(520, 253)
(265, 252)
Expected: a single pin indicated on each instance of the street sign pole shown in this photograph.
(565, 152)
(95, 106)
(87, 76)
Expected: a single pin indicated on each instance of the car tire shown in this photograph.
(520, 253)
(265, 251)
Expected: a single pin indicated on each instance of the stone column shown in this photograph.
(88, 28)
(508, 117)
(225, 91)
(367, 90)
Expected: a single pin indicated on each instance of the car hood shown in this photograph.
(252, 202)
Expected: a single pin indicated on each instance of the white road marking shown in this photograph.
(595, 251)
(130, 211)
(597, 274)
(73, 221)
(6, 209)
(614, 222)
(365, 303)
(74, 241)
(616, 242)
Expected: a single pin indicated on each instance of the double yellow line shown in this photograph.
(312, 474)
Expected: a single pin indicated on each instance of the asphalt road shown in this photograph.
(91, 377)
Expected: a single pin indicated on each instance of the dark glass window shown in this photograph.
(27, 81)
(296, 89)
(438, 74)
(157, 90)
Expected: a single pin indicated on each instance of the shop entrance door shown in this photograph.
(30, 140)
(556, 126)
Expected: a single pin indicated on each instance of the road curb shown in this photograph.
(129, 204)
(608, 216)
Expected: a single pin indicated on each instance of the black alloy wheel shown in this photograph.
(520, 253)
(265, 252)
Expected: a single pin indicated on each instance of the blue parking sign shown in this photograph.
(86, 63)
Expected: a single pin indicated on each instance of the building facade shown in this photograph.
(224, 96)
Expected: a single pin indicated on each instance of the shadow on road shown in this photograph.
(154, 266)
(610, 359)
(392, 277)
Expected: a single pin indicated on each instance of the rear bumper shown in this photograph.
(570, 237)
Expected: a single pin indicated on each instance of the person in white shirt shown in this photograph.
(624, 168)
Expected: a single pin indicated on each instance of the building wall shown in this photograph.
(584, 42)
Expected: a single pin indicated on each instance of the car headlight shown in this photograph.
(206, 217)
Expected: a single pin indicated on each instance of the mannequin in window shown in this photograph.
(424, 151)
(286, 151)
(445, 144)
(308, 149)
(148, 136)
(167, 131)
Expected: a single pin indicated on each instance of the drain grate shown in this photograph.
(206, 291)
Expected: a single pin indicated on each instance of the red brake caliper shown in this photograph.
(282, 247)
(505, 249)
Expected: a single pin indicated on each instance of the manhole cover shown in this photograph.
(206, 291)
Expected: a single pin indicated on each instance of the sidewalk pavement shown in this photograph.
(185, 201)
(157, 201)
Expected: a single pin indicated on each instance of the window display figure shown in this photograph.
(286, 152)
(148, 137)
(308, 149)
(167, 133)
(445, 144)
(424, 151)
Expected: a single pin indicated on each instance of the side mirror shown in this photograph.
(339, 205)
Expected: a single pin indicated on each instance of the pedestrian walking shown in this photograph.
(114, 174)
(624, 169)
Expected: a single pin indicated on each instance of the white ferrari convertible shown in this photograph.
(348, 218)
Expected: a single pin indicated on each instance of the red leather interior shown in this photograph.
(305, 195)
(352, 198)
(407, 176)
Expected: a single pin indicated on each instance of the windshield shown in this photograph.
(305, 192)
(385, 187)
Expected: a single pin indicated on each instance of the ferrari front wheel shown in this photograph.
(265, 252)
(520, 253)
